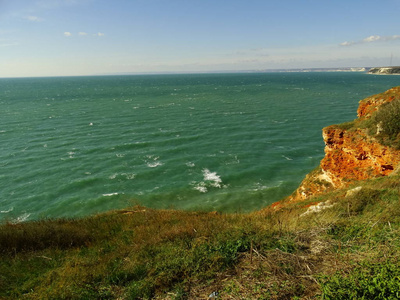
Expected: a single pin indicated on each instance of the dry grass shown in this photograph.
(142, 253)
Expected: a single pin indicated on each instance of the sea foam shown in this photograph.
(110, 194)
(210, 179)
(7, 211)
(21, 218)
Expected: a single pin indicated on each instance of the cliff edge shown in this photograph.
(367, 147)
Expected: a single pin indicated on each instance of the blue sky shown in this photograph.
(95, 37)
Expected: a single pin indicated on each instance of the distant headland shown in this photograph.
(385, 70)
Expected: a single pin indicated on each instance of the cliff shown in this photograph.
(385, 70)
(357, 150)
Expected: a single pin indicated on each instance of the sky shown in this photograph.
(104, 37)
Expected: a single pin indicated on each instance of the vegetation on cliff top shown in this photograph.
(383, 124)
(387, 120)
(349, 250)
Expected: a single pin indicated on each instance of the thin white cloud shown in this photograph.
(33, 19)
(372, 39)
(8, 44)
(347, 43)
(82, 33)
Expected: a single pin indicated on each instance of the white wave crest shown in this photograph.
(111, 194)
(128, 176)
(21, 218)
(287, 158)
(216, 180)
(258, 186)
(210, 179)
(190, 164)
(201, 188)
(7, 211)
(154, 164)
(152, 161)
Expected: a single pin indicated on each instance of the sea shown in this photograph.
(77, 146)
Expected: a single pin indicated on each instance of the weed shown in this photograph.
(360, 201)
(386, 124)
(365, 281)
(346, 125)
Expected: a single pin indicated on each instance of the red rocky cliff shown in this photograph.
(350, 153)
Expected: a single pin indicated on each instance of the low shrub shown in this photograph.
(387, 124)
(365, 281)
(362, 199)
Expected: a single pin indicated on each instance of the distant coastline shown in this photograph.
(294, 70)
(345, 69)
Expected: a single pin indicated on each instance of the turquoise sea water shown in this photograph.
(229, 142)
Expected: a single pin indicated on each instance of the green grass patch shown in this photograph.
(385, 124)
(367, 280)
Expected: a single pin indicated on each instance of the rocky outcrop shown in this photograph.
(385, 70)
(371, 104)
(351, 153)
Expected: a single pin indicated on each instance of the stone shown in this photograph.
(351, 154)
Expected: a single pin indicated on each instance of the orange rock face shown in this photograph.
(351, 154)
(371, 104)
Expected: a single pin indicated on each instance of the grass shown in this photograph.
(367, 280)
(142, 253)
(388, 119)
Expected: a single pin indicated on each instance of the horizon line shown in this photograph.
(279, 70)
